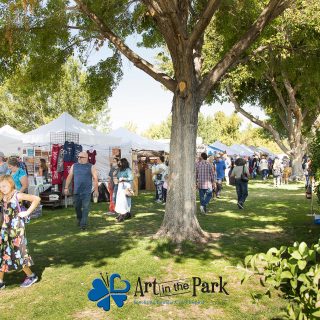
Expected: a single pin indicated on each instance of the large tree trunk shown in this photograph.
(296, 158)
(180, 222)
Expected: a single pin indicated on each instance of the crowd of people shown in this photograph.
(211, 173)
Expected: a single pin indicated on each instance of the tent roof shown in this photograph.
(249, 149)
(10, 145)
(10, 131)
(241, 150)
(266, 150)
(134, 141)
(66, 123)
(223, 147)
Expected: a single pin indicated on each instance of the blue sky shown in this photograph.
(141, 99)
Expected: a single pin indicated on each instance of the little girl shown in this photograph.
(13, 241)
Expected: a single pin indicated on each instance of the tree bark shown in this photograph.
(296, 159)
(180, 222)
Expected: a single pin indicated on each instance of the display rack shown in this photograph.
(62, 137)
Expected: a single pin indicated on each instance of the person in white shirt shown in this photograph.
(159, 174)
(264, 168)
(227, 161)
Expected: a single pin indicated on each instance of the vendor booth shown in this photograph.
(59, 143)
(141, 153)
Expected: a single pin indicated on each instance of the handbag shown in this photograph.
(129, 192)
(232, 181)
(244, 176)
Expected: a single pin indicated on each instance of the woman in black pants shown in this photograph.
(241, 174)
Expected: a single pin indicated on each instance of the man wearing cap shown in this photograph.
(3, 165)
(83, 173)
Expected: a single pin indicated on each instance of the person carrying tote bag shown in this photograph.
(123, 201)
(241, 173)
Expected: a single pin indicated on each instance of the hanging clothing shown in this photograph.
(54, 156)
(69, 150)
(60, 160)
(13, 246)
(57, 177)
(92, 156)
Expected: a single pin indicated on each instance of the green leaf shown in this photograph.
(286, 275)
(296, 255)
(303, 248)
(271, 251)
(245, 278)
(316, 313)
(294, 283)
(302, 264)
(282, 249)
(303, 278)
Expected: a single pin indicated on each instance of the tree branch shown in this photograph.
(205, 18)
(179, 22)
(272, 10)
(257, 121)
(287, 121)
(139, 62)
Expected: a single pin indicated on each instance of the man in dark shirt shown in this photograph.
(83, 173)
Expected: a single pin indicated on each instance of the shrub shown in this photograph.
(295, 271)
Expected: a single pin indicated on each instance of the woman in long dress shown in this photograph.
(123, 202)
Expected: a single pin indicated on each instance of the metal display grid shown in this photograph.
(62, 137)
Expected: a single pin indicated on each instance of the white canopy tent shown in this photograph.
(250, 151)
(10, 132)
(10, 145)
(241, 151)
(132, 141)
(221, 146)
(88, 136)
(267, 151)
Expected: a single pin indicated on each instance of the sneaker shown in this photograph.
(202, 209)
(158, 201)
(29, 281)
(240, 205)
(83, 228)
(2, 285)
(205, 209)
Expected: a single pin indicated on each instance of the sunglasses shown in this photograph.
(82, 157)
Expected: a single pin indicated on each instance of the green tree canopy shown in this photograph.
(26, 106)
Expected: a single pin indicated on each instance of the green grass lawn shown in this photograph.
(68, 260)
